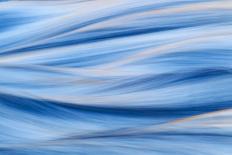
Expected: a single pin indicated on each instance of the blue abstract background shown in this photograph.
(115, 77)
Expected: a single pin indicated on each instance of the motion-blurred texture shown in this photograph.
(115, 77)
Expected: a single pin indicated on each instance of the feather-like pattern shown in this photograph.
(116, 77)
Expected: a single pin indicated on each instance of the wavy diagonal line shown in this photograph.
(115, 77)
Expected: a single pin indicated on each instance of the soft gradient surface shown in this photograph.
(116, 77)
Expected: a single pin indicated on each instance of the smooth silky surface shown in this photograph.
(116, 77)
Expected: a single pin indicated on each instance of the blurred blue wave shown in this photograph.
(116, 77)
